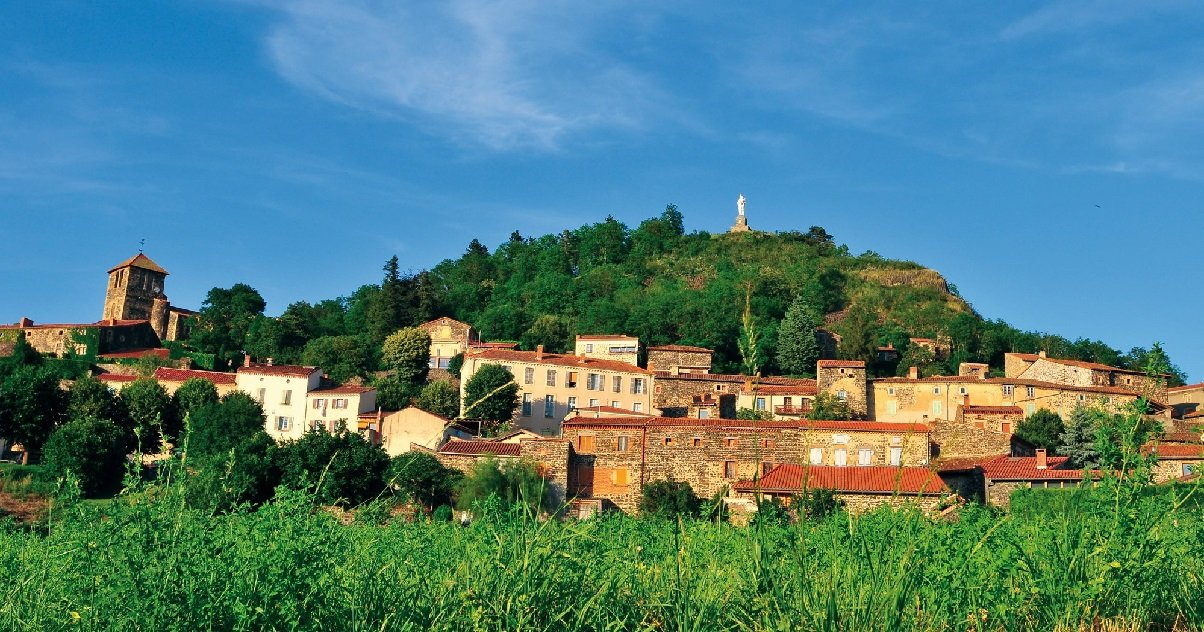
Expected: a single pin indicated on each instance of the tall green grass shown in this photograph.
(146, 561)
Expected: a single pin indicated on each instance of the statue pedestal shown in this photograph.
(741, 225)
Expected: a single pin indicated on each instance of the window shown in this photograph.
(617, 384)
(340, 402)
(526, 404)
(936, 390)
(637, 407)
(593, 403)
(589, 347)
(840, 439)
(572, 403)
(896, 456)
(282, 423)
(842, 456)
(593, 382)
(766, 466)
(760, 404)
(703, 413)
(529, 375)
(817, 456)
(319, 425)
(621, 477)
(286, 398)
(961, 390)
(614, 403)
(261, 395)
(730, 442)
(842, 396)
(549, 406)
(1030, 391)
(1006, 427)
(1030, 409)
(937, 407)
(570, 379)
(767, 443)
(319, 403)
(637, 385)
(729, 469)
(865, 456)
(444, 363)
(890, 390)
(786, 401)
(668, 441)
(585, 444)
(892, 407)
(1082, 397)
(1189, 469)
(1008, 390)
(551, 377)
(697, 442)
(623, 444)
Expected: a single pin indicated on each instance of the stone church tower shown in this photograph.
(135, 291)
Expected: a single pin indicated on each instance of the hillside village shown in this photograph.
(614, 413)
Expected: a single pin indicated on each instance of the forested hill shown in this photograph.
(664, 285)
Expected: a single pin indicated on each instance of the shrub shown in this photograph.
(668, 499)
(93, 449)
(420, 477)
(511, 483)
(341, 468)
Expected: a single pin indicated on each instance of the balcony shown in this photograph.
(792, 410)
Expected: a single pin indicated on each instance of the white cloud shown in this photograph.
(500, 75)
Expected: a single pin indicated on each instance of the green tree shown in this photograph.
(749, 339)
(151, 414)
(490, 395)
(921, 358)
(341, 468)
(1043, 429)
(420, 477)
(341, 357)
(192, 395)
(247, 472)
(455, 365)
(31, 406)
(859, 333)
(547, 330)
(1120, 438)
(828, 407)
(91, 398)
(1078, 438)
(225, 317)
(516, 482)
(394, 393)
(439, 398)
(407, 354)
(395, 305)
(798, 350)
(93, 449)
(217, 427)
(22, 355)
(668, 499)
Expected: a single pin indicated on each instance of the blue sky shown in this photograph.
(1048, 158)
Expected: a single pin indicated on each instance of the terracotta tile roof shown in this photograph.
(136, 353)
(1024, 468)
(1185, 388)
(493, 345)
(1186, 436)
(841, 364)
(681, 348)
(283, 370)
(116, 377)
(349, 389)
(605, 337)
(728, 377)
(558, 359)
(164, 374)
(99, 323)
(963, 464)
(139, 261)
(481, 447)
(1176, 451)
(967, 379)
(742, 424)
(993, 410)
(610, 410)
(775, 389)
(865, 479)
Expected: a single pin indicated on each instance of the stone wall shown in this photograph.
(553, 457)
(672, 395)
(956, 439)
(852, 381)
(671, 360)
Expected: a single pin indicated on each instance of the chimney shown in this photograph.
(25, 322)
(966, 400)
(1041, 353)
(539, 352)
(1042, 461)
(913, 373)
(246, 359)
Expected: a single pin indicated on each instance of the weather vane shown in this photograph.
(141, 244)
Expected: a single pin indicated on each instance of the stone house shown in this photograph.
(399, 431)
(1040, 368)
(939, 348)
(846, 379)
(976, 431)
(88, 340)
(619, 348)
(782, 401)
(674, 394)
(551, 385)
(551, 456)
(860, 488)
(1177, 460)
(1005, 474)
(680, 359)
(281, 389)
(615, 457)
(449, 338)
(1185, 400)
(338, 408)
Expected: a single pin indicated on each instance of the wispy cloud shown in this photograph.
(500, 75)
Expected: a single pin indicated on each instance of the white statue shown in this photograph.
(740, 204)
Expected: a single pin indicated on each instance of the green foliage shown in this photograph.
(224, 320)
(420, 477)
(828, 407)
(455, 364)
(31, 406)
(551, 332)
(490, 395)
(1043, 429)
(1078, 440)
(23, 355)
(218, 427)
(341, 357)
(1119, 439)
(406, 353)
(669, 499)
(340, 468)
(818, 503)
(395, 393)
(192, 395)
(244, 474)
(750, 346)
(515, 483)
(859, 333)
(771, 511)
(151, 413)
(751, 414)
(922, 359)
(798, 350)
(439, 398)
(91, 398)
(92, 449)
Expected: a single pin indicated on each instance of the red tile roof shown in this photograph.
(558, 359)
(349, 389)
(99, 323)
(604, 337)
(682, 348)
(139, 261)
(1177, 451)
(993, 410)
(872, 479)
(481, 447)
(1186, 387)
(742, 424)
(728, 377)
(1024, 468)
(841, 364)
(611, 410)
(775, 389)
(963, 464)
(283, 370)
(164, 374)
(117, 377)
(136, 353)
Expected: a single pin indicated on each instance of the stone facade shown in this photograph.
(846, 379)
(449, 338)
(1077, 373)
(135, 291)
(674, 394)
(619, 348)
(933, 398)
(83, 340)
(1186, 399)
(679, 359)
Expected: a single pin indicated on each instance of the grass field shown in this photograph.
(145, 561)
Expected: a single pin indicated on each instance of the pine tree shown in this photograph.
(1078, 438)
(798, 350)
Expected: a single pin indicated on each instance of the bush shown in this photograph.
(216, 428)
(818, 503)
(669, 499)
(93, 449)
(244, 474)
(420, 477)
(771, 511)
(341, 468)
(511, 483)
